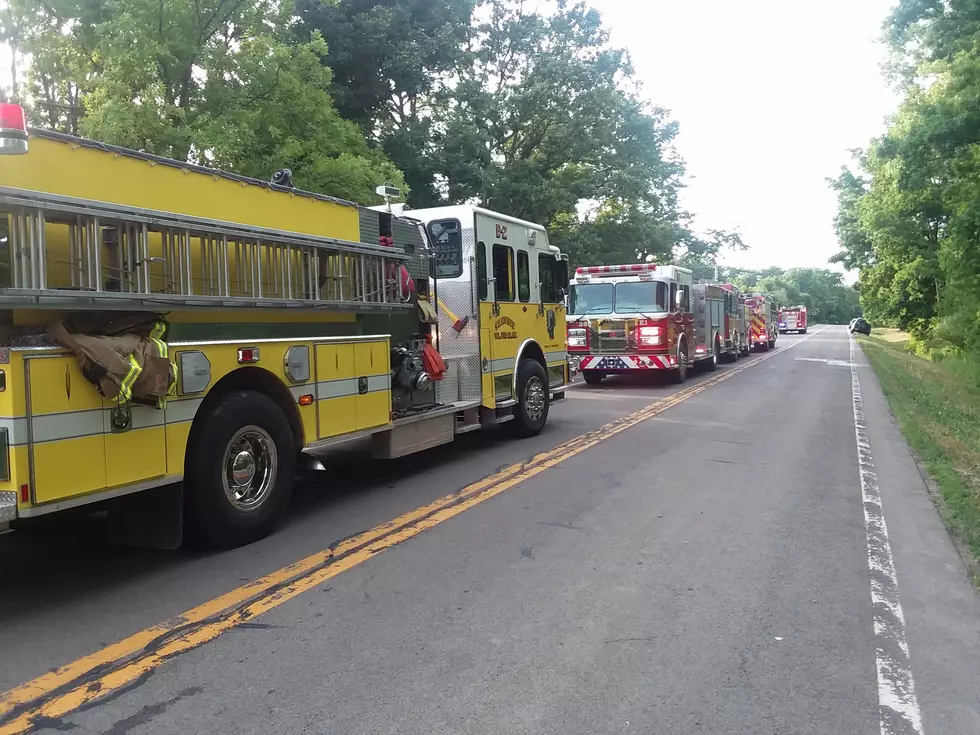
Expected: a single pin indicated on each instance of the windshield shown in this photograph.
(642, 296)
(628, 297)
(590, 298)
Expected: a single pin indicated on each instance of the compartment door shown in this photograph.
(336, 390)
(68, 452)
(372, 365)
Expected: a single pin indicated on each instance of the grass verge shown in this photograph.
(938, 410)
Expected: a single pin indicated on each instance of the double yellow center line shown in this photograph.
(73, 686)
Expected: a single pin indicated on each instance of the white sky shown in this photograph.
(769, 95)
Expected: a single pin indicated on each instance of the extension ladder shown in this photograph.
(62, 250)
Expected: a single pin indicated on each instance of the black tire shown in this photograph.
(802, 331)
(679, 373)
(712, 362)
(592, 377)
(533, 400)
(253, 424)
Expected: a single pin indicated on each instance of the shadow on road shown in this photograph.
(70, 558)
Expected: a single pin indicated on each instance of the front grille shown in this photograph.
(610, 336)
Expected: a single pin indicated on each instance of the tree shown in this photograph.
(701, 254)
(216, 82)
(909, 222)
(821, 290)
(536, 115)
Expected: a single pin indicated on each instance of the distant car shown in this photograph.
(861, 326)
(850, 327)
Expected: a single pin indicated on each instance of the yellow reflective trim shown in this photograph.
(159, 329)
(126, 386)
(161, 346)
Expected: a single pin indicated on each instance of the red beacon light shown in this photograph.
(13, 130)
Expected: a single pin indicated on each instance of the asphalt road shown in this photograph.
(698, 563)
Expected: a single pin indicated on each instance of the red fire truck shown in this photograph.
(764, 316)
(793, 319)
(715, 334)
(623, 318)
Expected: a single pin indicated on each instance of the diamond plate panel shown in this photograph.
(368, 220)
(458, 303)
(8, 506)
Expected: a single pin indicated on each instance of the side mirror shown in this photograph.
(561, 293)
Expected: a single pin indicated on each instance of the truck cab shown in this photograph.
(634, 317)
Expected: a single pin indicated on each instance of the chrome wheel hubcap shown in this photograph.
(250, 466)
(534, 399)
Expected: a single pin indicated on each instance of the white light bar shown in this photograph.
(615, 269)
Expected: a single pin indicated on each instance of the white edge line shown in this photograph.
(898, 707)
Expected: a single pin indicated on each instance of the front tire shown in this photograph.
(679, 373)
(239, 470)
(593, 377)
(533, 400)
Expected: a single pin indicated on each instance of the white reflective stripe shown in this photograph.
(503, 364)
(144, 417)
(98, 421)
(347, 387)
(507, 363)
(74, 425)
(179, 411)
(16, 430)
(378, 383)
(336, 388)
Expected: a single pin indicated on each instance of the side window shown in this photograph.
(481, 270)
(503, 273)
(546, 269)
(523, 277)
(446, 236)
(673, 297)
(662, 296)
(685, 298)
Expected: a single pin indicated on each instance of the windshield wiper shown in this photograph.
(593, 310)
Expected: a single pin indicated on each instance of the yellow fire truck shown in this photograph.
(289, 321)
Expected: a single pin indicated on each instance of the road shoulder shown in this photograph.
(942, 608)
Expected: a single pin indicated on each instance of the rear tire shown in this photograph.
(712, 362)
(239, 470)
(533, 400)
(593, 377)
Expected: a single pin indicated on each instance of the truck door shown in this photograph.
(552, 282)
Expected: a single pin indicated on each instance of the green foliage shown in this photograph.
(532, 114)
(910, 220)
(218, 82)
(822, 291)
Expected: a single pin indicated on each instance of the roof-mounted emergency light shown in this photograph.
(13, 130)
(614, 269)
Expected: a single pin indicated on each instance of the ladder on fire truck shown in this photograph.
(69, 252)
